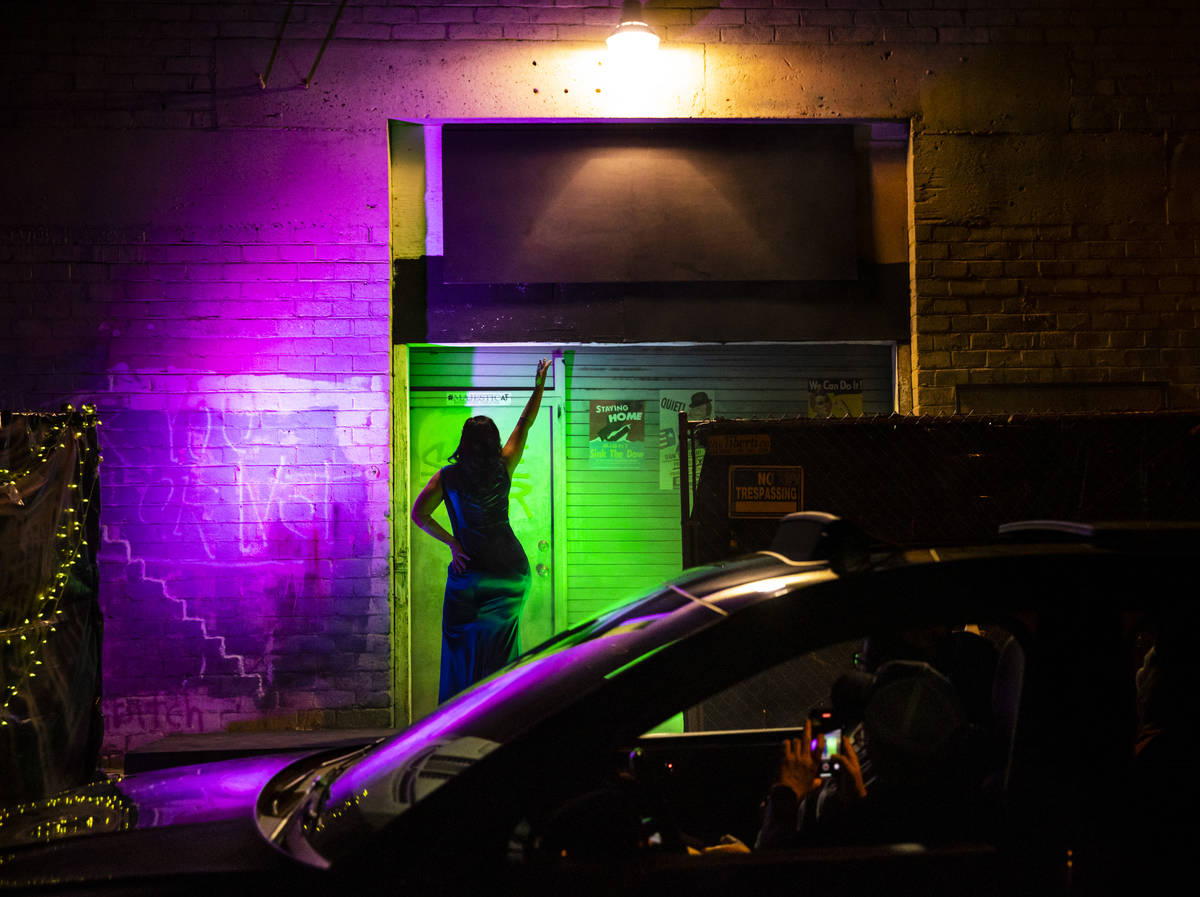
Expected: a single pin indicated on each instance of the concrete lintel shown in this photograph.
(420, 81)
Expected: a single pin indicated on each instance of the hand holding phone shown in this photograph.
(798, 764)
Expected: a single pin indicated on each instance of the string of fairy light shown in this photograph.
(66, 815)
(25, 643)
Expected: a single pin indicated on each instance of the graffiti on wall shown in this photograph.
(246, 565)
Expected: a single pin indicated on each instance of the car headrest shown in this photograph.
(849, 696)
(815, 535)
(969, 661)
(914, 721)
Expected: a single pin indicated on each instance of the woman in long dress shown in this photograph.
(489, 575)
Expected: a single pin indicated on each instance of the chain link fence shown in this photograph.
(912, 480)
(955, 479)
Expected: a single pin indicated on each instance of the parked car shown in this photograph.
(632, 753)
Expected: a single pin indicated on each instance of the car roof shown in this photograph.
(583, 658)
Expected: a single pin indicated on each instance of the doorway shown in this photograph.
(435, 422)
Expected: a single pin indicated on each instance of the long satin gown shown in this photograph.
(482, 606)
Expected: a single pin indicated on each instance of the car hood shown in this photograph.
(195, 819)
(207, 792)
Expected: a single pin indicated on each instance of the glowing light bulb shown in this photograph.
(633, 37)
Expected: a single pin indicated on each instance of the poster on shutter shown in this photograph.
(700, 404)
(835, 397)
(617, 432)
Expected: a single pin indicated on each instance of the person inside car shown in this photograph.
(921, 756)
(793, 799)
(1168, 724)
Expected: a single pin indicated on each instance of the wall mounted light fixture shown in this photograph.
(633, 36)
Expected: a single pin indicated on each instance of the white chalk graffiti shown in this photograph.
(244, 522)
(216, 641)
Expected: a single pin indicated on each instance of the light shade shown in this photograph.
(632, 36)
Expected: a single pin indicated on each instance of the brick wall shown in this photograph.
(207, 261)
(223, 300)
(242, 385)
(1056, 219)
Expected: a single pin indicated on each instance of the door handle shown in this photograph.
(542, 570)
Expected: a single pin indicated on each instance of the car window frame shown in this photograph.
(968, 587)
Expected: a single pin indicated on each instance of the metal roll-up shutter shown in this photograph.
(621, 519)
(622, 525)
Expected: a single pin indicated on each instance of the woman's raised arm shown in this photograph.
(511, 453)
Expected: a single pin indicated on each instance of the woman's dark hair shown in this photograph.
(478, 449)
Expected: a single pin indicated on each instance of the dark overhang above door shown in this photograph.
(645, 202)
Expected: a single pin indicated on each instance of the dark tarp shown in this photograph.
(50, 622)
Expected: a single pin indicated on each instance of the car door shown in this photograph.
(709, 784)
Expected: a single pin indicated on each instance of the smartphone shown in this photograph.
(826, 741)
(829, 743)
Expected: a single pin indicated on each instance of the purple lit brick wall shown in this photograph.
(222, 298)
(243, 392)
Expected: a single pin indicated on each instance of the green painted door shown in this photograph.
(434, 431)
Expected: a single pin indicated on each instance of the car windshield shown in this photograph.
(551, 676)
(697, 585)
